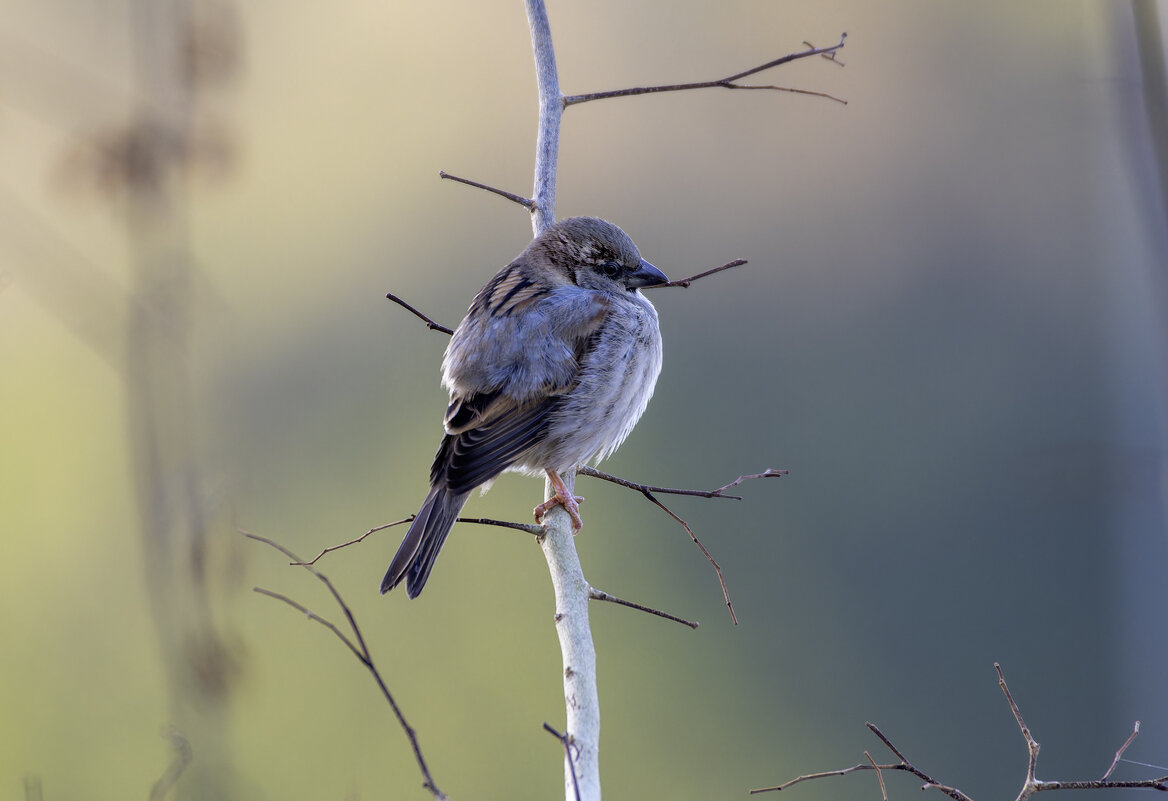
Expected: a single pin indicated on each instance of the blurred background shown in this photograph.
(951, 331)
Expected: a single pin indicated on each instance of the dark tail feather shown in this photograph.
(415, 557)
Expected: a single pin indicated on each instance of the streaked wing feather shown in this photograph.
(475, 456)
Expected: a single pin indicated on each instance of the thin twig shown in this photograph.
(1031, 786)
(601, 595)
(353, 541)
(1032, 746)
(823, 775)
(1122, 748)
(729, 82)
(827, 56)
(685, 282)
(592, 472)
(314, 617)
(526, 202)
(768, 473)
(1159, 783)
(433, 326)
(648, 491)
(357, 645)
(903, 765)
(872, 727)
(530, 528)
(697, 542)
(879, 775)
(565, 741)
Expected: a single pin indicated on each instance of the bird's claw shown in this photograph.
(571, 505)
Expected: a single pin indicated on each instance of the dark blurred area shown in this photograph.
(951, 331)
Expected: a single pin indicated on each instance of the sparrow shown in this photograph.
(551, 368)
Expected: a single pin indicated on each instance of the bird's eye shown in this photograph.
(610, 269)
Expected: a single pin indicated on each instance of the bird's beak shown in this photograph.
(646, 275)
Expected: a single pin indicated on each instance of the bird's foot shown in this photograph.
(570, 503)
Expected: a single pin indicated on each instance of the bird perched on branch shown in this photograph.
(552, 367)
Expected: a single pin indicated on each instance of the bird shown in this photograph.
(552, 367)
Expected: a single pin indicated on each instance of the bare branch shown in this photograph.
(828, 56)
(565, 741)
(648, 491)
(526, 202)
(481, 521)
(353, 541)
(1030, 786)
(768, 473)
(697, 542)
(530, 528)
(903, 765)
(1032, 746)
(592, 472)
(314, 617)
(879, 775)
(872, 727)
(685, 282)
(359, 648)
(1122, 748)
(823, 775)
(433, 326)
(601, 595)
(729, 82)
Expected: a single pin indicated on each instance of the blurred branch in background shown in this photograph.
(181, 50)
(1030, 784)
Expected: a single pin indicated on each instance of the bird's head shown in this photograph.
(595, 254)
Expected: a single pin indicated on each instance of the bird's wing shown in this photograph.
(508, 371)
(522, 341)
(476, 455)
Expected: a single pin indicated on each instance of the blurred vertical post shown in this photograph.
(1133, 233)
(163, 416)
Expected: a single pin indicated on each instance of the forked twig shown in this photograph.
(592, 472)
(356, 644)
(709, 557)
(1029, 787)
(648, 491)
(1032, 746)
(729, 82)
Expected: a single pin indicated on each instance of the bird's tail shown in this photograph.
(415, 557)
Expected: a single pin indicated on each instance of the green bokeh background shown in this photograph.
(951, 331)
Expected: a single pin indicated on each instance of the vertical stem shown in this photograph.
(551, 110)
(559, 547)
(580, 694)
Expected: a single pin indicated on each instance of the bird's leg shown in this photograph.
(564, 498)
